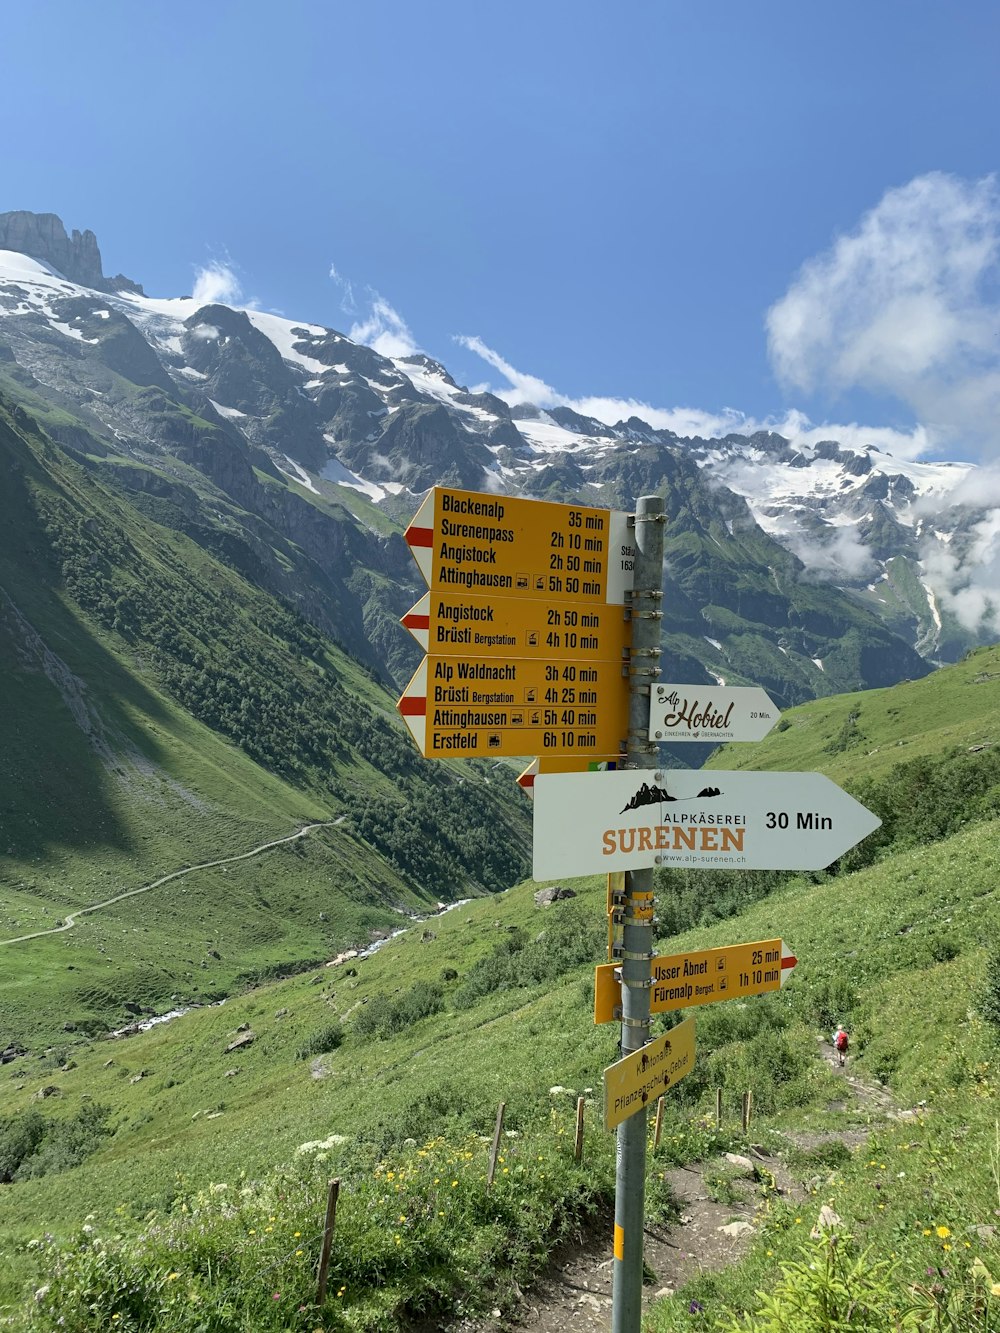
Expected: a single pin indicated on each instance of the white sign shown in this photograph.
(713, 713)
(703, 819)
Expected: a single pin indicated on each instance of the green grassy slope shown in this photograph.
(914, 928)
(866, 733)
(160, 711)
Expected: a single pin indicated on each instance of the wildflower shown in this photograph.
(276, 1296)
(296, 1235)
(943, 1232)
(171, 1277)
(298, 1254)
(695, 1307)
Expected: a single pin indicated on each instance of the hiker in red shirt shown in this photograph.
(840, 1043)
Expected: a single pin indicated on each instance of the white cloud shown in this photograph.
(217, 284)
(965, 576)
(384, 329)
(687, 421)
(521, 388)
(347, 302)
(906, 305)
(839, 556)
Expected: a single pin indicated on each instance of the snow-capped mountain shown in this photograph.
(806, 569)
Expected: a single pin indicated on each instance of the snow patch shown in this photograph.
(334, 470)
(285, 333)
(932, 603)
(296, 473)
(68, 331)
(230, 413)
(818, 662)
(714, 642)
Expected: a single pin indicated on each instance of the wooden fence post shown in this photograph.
(747, 1105)
(578, 1141)
(658, 1127)
(328, 1225)
(495, 1150)
(718, 1108)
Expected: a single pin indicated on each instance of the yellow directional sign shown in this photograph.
(456, 624)
(459, 708)
(704, 977)
(644, 1075)
(464, 541)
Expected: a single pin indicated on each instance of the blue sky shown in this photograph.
(769, 207)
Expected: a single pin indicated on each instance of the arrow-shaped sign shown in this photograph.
(705, 976)
(646, 1074)
(462, 708)
(714, 713)
(486, 545)
(707, 819)
(456, 624)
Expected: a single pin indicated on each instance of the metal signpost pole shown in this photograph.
(630, 1176)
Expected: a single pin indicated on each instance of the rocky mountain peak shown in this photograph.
(77, 256)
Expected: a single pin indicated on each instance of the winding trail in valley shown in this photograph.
(72, 917)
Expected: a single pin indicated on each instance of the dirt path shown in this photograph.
(574, 1293)
(73, 917)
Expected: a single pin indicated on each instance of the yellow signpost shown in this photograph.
(684, 979)
(646, 1074)
(459, 708)
(486, 545)
(456, 624)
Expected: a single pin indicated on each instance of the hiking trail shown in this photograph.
(573, 1294)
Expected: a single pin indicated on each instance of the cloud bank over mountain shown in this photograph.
(906, 305)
